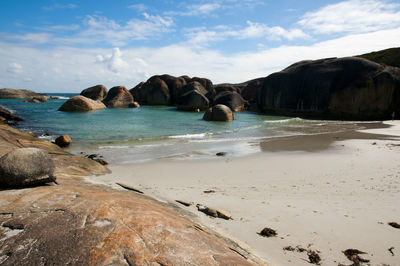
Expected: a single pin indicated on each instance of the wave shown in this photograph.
(191, 136)
(62, 97)
(289, 120)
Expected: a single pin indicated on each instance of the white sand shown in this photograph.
(329, 200)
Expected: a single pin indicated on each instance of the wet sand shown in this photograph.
(325, 192)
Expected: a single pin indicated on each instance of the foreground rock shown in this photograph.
(63, 141)
(118, 96)
(219, 112)
(81, 104)
(344, 88)
(97, 93)
(6, 114)
(26, 166)
(7, 93)
(88, 224)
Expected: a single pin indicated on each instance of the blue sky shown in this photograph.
(67, 46)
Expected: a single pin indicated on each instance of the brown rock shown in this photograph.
(118, 96)
(8, 115)
(232, 99)
(97, 93)
(7, 93)
(26, 166)
(37, 99)
(192, 101)
(63, 141)
(81, 104)
(268, 232)
(134, 105)
(219, 112)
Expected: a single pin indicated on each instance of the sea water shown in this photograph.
(126, 135)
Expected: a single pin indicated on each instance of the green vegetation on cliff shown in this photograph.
(389, 57)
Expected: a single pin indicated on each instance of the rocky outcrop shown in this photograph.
(81, 104)
(26, 166)
(232, 99)
(118, 96)
(342, 88)
(63, 141)
(192, 101)
(166, 89)
(97, 93)
(7, 93)
(37, 99)
(6, 114)
(219, 112)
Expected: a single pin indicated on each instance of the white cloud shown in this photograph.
(353, 16)
(31, 38)
(138, 7)
(73, 69)
(14, 68)
(197, 10)
(202, 36)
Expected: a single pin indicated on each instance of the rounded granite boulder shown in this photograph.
(97, 93)
(81, 104)
(26, 166)
(63, 141)
(118, 96)
(218, 112)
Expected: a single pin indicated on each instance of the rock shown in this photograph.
(97, 93)
(184, 203)
(226, 87)
(37, 99)
(340, 88)
(219, 112)
(134, 105)
(81, 104)
(7, 93)
(207, 84)
(192, 101)
(193, 86)
(214, 212)
(268, 232)
(232, 99)
(222, 153)
(63, 141)
(8, 115)
(157, 92)
(118, 96)
(26, 166)
(139, 93)
(130, 188)
(249, 91)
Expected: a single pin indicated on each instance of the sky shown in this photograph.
(67, 46)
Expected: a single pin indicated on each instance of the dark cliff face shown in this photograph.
(344, 88)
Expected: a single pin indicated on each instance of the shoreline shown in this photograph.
(336, 197)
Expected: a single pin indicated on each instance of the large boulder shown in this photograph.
(341, 88)
(192, 101)
(7, 93)
(97, 93)
(157, 92)
(232, 99)
(26, 166)
(8, 115)
(81, 104)
(63, 141)
(139, 93)
(219, 112)
(118, 96)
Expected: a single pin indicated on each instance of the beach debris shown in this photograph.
(185, 203)
(394, 224)
(63, 141)
(314, 257)
(222, 153)
(268, 232)
(209, 191)
(214, 212)
(354, 256)
(374, 143)
(391, 250)
(129, 188)
(97, 158)
(289, 248)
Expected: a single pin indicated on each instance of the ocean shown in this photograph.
(126, 135)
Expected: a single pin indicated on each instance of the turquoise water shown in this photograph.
(152, 132)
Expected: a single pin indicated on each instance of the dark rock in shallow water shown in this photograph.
(8, 115)
(192, 101)
(345, 88)
(218, 112)
(26, 166)
(37, 99)
(232, 99)
(154, 91)
(81, 104)
(63, 141)
(97, 93)
(118, 96)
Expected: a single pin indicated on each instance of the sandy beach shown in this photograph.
(326, 193)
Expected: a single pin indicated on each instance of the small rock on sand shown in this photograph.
(268, 232)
